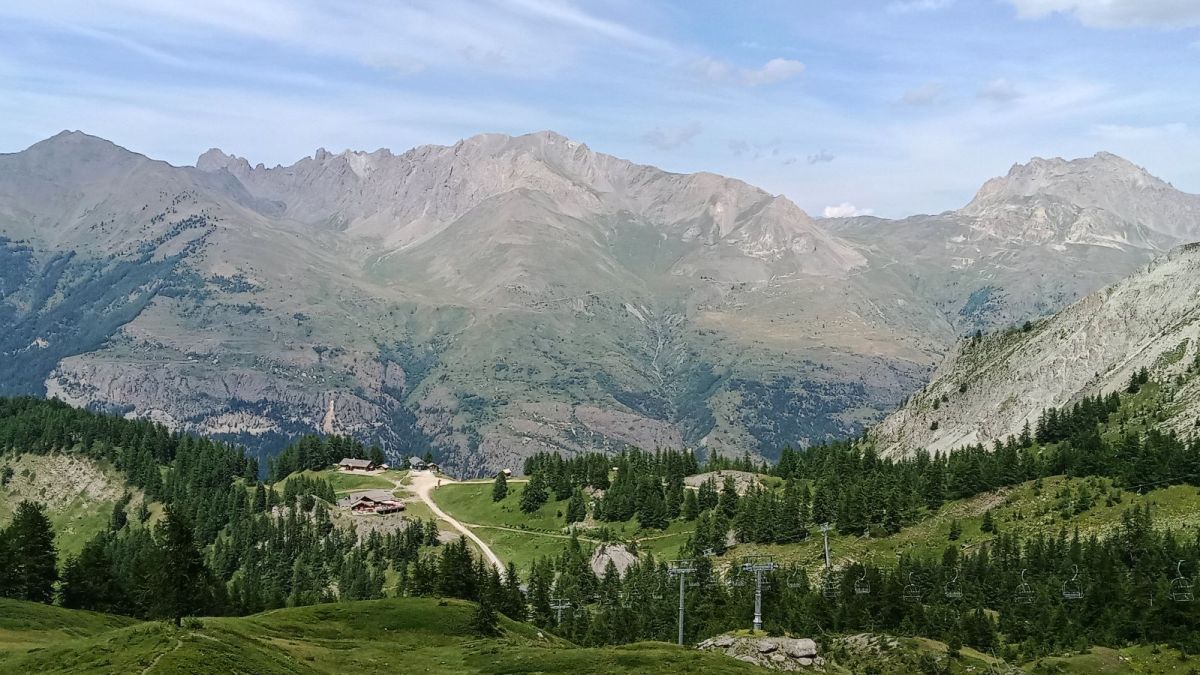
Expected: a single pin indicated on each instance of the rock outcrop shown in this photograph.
(776, 653)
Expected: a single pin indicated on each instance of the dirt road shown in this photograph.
(424, 482)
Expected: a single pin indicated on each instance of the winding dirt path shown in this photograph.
(423, 482)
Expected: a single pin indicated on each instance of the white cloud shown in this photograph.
(1116, 13)
(1000, 90)
(909, 6)
(845, 210)
(772, 72)
(925, 94)
(672, 139)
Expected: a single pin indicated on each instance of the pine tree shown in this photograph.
(34, 560)
(182, 578)
(500, 487)
(728, 503)
(691, 507)
(534, 494)
(484, 621)
(988, 525)
(576, 508)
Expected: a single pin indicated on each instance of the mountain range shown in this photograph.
(508, 295)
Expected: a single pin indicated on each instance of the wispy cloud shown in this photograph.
(1116, 13)
(673, 138)
(821, 157)
(925, 94)
(1128, 132)
(909, 6)
(772, 72)
(1000, 90)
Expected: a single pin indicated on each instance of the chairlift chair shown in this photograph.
(1181, 586)
(796, 579)
(1024, 593)
(1072, 589)
(953, 590)
(912, 592)
(861, 585)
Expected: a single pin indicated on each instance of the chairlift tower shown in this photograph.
(825, 528)
(558, 605)
(758, 564)
(681, 568)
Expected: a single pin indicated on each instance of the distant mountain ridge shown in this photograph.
(506, 295)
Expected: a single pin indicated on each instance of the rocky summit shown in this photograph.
(509, 295)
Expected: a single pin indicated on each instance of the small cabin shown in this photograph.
(379, 502)
(417, 464)
(350, 464)
(507, 473)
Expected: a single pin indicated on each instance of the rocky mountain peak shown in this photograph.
(1102, 198)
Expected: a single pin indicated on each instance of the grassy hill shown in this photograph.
(1093, 505)
(522, 537)
(410, 635)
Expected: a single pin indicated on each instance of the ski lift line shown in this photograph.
(1131, 488)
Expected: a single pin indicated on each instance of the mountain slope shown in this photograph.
(506, 295)
(399, 635)
(991, 388)
(1030, 242)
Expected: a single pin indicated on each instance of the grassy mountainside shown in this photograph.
(79, 494)
(521, 537)
(407, 635)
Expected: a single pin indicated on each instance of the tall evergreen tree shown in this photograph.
(182, 579)
(33, 560)
(535, 493)
(500, 487)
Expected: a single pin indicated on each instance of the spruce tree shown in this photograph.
(534, 494)
(34, 560)
(691, 507)
(500, 487)
(182, 578)
(576, 508)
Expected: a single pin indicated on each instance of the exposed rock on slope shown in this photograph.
(989, 389)
(508, 295)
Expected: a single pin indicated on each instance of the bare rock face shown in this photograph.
(620, 557)
(776, 653)
(991, 389)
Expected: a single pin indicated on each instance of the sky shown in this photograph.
(890, 107)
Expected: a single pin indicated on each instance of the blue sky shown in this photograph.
(891, 107)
